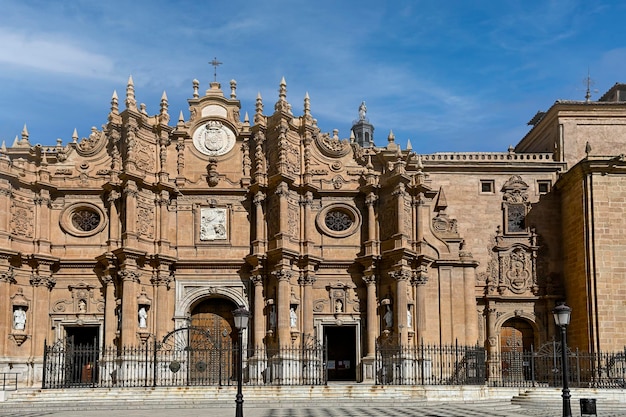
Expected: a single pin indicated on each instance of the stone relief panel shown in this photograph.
(144, 156)
(213, 224)
(145, 218)
(22, 219)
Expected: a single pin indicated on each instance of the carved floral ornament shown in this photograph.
(83, 219)
(332, 146)
(338, 220)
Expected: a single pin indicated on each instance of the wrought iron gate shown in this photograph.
(185, 356)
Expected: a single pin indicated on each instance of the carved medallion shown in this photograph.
(214, 139)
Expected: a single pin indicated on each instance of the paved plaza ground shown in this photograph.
(429, 410)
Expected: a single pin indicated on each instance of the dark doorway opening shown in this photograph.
(341, 345)
(82, 355)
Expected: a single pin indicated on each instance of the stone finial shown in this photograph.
(4, 146)
(409, 147)
(130, 94)
(391, 138)
(233, 89)
(114, 103)
(181, 118)
(196, 86)
(75, 136)
(164, 117)
(282, 91)
(352, 137)
(16, 142)
(246, 118)
(25, 135)
(307, 104)
(259, 104)
(442, 202)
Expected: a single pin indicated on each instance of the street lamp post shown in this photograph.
(562, 314)
(241, 316)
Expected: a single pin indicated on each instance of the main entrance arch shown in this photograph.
(516, 337)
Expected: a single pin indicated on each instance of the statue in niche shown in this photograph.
(82, 306)
(272, 318)
(19, 319)
(409, 318)
(143, 315)
(388, 317)
(293, 318)
(338, 306)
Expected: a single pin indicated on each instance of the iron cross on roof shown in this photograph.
(215, 64)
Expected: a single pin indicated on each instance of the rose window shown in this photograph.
(85, 220)
(338, 221)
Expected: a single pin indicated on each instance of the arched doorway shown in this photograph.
(215, 318)
(516, 339)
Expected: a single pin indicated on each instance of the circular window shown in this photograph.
(83, 219)
(338, 220)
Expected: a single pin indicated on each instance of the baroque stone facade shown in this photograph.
(145, 227)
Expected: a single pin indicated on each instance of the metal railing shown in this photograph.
(9, 381)
(430, 365)
(154, 364)
(159, 364)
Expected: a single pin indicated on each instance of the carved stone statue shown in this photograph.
(293, 318)
(409, 318)
(338, 306)
(388, 317)
(19, 319)
(362, 111)
(143, 315)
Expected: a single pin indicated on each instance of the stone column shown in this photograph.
(259, 198)
(282, 307)
(42, 224)
(372, 317)
(163, 202)
(420, 278)
(114, 220)
(110, 305)
(399, 194)
(492, 341)
(307, 281)
(471, 318)
(258, 317)
(131, 191)
(161, 305)
(307, 221)
(7, 277)
(130, 324)
(283, 205)
(42, 283)
(402, 277)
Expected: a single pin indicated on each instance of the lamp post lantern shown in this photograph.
(241, 316)
(562, 315)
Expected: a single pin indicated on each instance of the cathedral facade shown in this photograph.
(149, 225)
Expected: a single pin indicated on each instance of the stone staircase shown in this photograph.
(608, 401)
(267, 397)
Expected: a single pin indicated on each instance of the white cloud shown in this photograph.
(52, 53)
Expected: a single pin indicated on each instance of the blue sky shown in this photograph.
(450, 76)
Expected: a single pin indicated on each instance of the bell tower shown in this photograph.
(362, 129)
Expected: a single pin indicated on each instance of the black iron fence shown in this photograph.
(430, 365)
(155, 364)
(188, 362)
(9, 381)
(473, 365)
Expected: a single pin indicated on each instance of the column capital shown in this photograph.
(37, 280)
(126, 275)
(307, 278)
(400, 275)
(370, 279)
(420, 276)
(257, 279)
(283, 274)
(8, 276)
